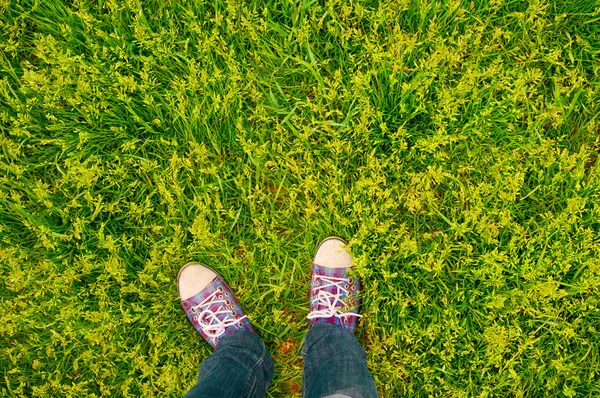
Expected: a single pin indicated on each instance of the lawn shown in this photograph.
(454, 144)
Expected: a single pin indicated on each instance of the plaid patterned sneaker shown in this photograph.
(209, 303)
(334, 295)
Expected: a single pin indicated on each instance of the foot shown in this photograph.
(334, 295)
(209, 303)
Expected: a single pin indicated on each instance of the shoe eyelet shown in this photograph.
(353, 288)
(220, 297)
(227, 302)
(219, 288)
(196, 318)
(194, 310)
(346, 286)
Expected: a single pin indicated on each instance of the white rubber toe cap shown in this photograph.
(332, 253)
(193, 278)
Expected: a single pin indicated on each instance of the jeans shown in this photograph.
(334, 366)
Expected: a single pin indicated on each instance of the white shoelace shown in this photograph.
(215, 327)
(330, 300)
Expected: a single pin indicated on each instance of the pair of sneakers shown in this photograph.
(215, 312)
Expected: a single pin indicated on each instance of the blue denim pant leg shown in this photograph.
(335, 364)
(240, 367)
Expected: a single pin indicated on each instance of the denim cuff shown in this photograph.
(335, 364)
(240, 367)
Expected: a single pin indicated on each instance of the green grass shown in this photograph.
(454, 144)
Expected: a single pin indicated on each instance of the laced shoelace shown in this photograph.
(209, 320)
(330, 300)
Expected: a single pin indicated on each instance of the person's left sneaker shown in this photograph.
(209, 303)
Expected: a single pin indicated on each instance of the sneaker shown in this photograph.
(334, 295)
(209, 303)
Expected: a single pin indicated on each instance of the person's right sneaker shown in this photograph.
(334, 294)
